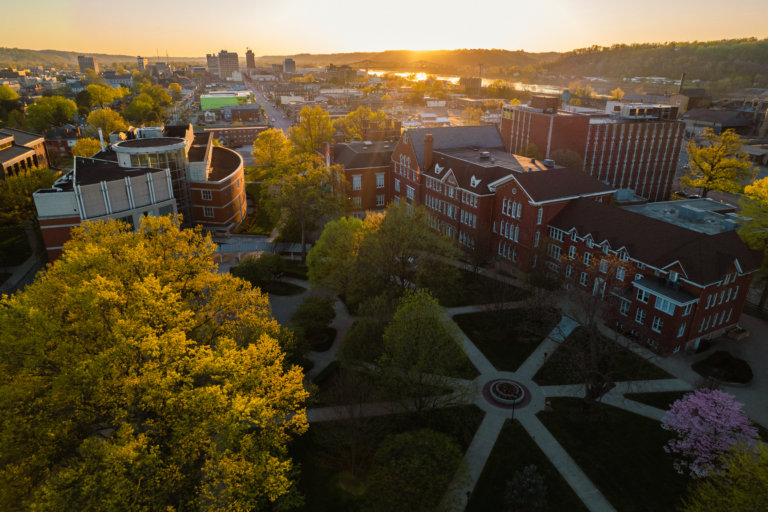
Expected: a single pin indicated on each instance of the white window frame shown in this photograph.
(207, 195)
(357, 182)
(379, 180)
(207, 211)
(640, 316)
(657, 324)
(379, 199)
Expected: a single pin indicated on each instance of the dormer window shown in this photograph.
(474, 181)
(673, 276)
(438, 169)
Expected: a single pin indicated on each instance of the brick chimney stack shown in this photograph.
(428, 144)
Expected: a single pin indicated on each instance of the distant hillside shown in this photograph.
(743, 60)
(437, 61)
(19, 57)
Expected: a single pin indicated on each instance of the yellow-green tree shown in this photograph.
(51, 111)
(134, 375)
(175, 91)
(86, 147)
(313, 129)
(8, 94)
(352, 124)
(106, 119)
(617, 94)
(717, 163)
(16, 203)
(103, 94)
(271, 150)
(471, 116)
(754, 231)
(742, 484)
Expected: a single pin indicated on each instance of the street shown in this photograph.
(275, 115)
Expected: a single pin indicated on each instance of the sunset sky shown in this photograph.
(195, 27)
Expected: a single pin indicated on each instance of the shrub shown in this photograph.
(314, 314)
(724, 367)
(261, 270)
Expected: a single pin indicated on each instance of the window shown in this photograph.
(657, 324)
(587, 258)
(673, 276)
(583, 278)
(207, 196)
(357, 202)
(643, 296)
(536, 239)
(620, 273)
(380, 200)
(624, 307)
(569, 271)
(665, 306)
(409, 192)
(687, 309)
(640, 316)
(397, 185)
(540, 216)
(208, 212)
(165, 210)
(681, 330)
(357, 182)
(554, 251)
(380, 180)
(572, 252)
(604, 266)
(519, 210)
(128, 220)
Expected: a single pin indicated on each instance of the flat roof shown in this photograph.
(496, 158)
(151, 142)
(701, 215)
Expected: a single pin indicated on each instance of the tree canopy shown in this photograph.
(272, 151)
(6, 93)
(16, 202)
(107, 120)
(313, 129)
(86, 147)
(352, 125)
(51, 111)
(717, 164)
(101, 95)
(133, 374)
(754, 230)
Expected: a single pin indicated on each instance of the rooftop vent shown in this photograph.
(548, 163)
(485, 155)
(691, 213)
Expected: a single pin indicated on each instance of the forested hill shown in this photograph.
(20, 58)
(708, 61)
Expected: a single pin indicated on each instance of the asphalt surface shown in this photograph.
(276, 116)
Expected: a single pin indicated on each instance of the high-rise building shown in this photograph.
(289, 66)
(212, 63)
(228, 64)
(142, 62)
(87, 63)
(628, 146)
(250, 59)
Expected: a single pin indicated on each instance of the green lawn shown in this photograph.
(514, 449)
(626, 365)
(475, 288)
(329, 450)
(659, 400)
(507, 337)
(621, 452)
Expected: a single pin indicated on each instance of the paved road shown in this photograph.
(272, 111)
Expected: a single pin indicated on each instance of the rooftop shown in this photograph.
(702, 215)
(89, 171)
(223, 163)
(21, 137)
(361, 155)
(455, 137)
(152, 142)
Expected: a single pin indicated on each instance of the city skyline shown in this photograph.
(298, 26)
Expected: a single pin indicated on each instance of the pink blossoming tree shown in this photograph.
(707, 423)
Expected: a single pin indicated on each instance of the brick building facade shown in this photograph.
(629, 146)
(368, 171)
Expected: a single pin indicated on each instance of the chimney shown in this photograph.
(101, 139)
(428, 143)
(328, 151)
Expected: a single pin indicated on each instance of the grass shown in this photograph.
(474, 288)
(507, 337)
(661, 400)
(626, 364)
(621, 452)
(281, 288)
(329, 448)
(514, 449)
(295, 269)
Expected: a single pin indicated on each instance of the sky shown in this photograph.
(193, 28)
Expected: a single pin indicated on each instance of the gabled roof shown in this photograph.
(22, 137)
(361, 155)
(455, 137)
(559, 183)
(465, 171)
(723, 117)
(705, 258)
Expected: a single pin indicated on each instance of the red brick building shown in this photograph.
(629, 146)
(20, 151)
(682, 273)
(368, 171)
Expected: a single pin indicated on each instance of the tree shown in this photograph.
(418, 352)
(717, 164)
(100, 95)
(16, 203)
(741, 484)
(471, 116)
(132, 372)
(617, 94)
(568, 158)
(7, 94)
(313, 129)
(175, 91)
(92, 77)
(754, 230)
(332, 260)
(526, 492)
(707, 422)
(51, 111)
(313, 317)
(158, 94)
(106, 120)
(272, 151)
(83, 101)
(142, 109)
(308, 194)
(353, 124)
(86, 147)
(260, 271)
(411, 471)
(531, 150)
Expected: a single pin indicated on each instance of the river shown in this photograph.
(518, 86)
